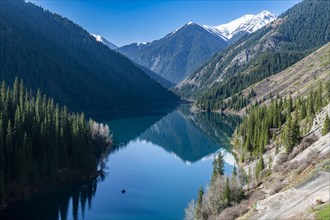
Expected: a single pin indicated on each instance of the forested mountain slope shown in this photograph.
(295, 34)
(151, 74)
(42, 144)
(296, 80)
(63, 60)
(178, 54)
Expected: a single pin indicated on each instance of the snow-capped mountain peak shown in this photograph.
(183, 26)
(101, 39)
(247, 23)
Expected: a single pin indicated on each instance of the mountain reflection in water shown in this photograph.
(161, 160)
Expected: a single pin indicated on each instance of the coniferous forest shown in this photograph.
(42, 144)
(291, 119)
(270, 141)
(304, 29)
(57, 56)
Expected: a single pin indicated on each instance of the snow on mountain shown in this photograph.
(101, 39)
(247, 23)
(183, 26)
(142, 43)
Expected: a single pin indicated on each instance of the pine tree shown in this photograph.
(288, 135)
(2, 189)
(259, 166)
(218, 165)
(234, 171)
(295, 132)
(291, 134)
(198, 209)
(302, 113)
(326, 126)
(9, 148)
(290, 105)
(277, 146)
(227, 192)
(2, 145)
(319, 97)
(328, 90)
(310, 105)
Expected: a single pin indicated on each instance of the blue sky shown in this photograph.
(124, 22)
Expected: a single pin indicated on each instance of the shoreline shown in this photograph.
(125, 107)
(40, 189)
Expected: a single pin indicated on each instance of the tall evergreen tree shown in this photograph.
(288, 140)
(198, 209)
(295, 132)
(227, 192)
(234, 171)
(326, 126)
(218, 165)
(302, 113)
(259, 167)
(2, 189)
(327, 87)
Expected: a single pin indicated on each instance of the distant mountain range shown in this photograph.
(180, 53)
(164, 82)
(293, 35)
(57, 56)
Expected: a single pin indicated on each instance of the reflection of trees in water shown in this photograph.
(130, 128)
(55, 204)
(192, 136)
(218, 127)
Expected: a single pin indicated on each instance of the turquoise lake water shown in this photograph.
(162, 158)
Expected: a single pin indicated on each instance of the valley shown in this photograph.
(224, 120)
(150, 182)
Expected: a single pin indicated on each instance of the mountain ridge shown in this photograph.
(177, 54)
(247, 23)
(164, 82)
(293, 35)
(68, 64)
(198, 43)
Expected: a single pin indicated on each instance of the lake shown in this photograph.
(161, 159)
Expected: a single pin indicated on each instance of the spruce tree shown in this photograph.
(288, 137)
(227, 192)
(218, 165)
(290, 105)
(2, 152)
(295, 132)
(198, 209)
(277, 146)
(9, 148)
(319, 97)
(302, 113)
(310, 105)
(326, 126)
(234, 171)
(2, 189)
(259, 166)
(328, 90)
